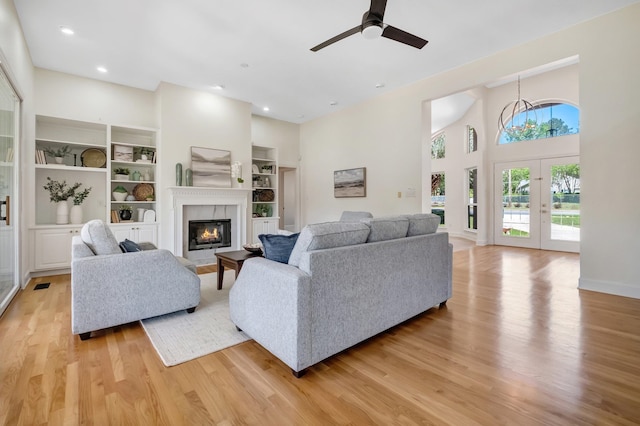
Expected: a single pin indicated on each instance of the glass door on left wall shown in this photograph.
(9, 119)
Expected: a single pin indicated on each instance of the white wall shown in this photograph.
(195, 118)
(278, 134)
(14, 54)
(384, 135)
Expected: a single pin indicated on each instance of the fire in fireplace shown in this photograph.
(209, 234)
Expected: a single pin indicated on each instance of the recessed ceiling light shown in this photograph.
(244, 65)
(379, 85)
(66, 30)
(333, 103)
(102, 69)
(265, 109)
(218, 86)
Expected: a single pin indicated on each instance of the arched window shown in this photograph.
(551, 119)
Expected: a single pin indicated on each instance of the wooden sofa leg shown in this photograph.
(191, 310)
(85, 336)
(299, 374)
(443, 305)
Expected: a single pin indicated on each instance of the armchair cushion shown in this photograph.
(97, 235)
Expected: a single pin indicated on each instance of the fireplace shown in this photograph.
(209, 234)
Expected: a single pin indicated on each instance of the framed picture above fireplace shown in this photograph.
(211, 167)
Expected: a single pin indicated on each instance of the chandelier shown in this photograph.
(515, 116)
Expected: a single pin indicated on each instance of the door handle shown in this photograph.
(7, 210)
(543, 211)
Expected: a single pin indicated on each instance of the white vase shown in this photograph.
(75, 214)
(59, 160)
(62, 213)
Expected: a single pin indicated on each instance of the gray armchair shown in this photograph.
(109, 287)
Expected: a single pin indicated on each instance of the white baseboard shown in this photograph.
(617, 289)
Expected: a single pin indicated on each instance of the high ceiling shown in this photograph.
(259, 50)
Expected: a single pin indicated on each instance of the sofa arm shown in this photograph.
(115, 289)
(271, 302)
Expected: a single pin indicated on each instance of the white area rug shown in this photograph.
(181, 337)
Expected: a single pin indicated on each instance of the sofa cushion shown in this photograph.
(129, 246)
(278, 247)
(352, 216)
(97, 235)
(328, 235)
(423, 223)
(386, 228)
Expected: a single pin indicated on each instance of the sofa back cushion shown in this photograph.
(328, 235)
(278, 247)
(353, 216)
(423, 223)
(98, 236)
(387, 228)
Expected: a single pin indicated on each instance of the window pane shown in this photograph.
(437, 146)
(565, 200)
(515, 202)
(438, 195)
(551, 119)
(472, 140)
(472, 207)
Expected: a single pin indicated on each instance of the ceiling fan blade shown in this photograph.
(339, 37)
(397, 34)
(378, 7)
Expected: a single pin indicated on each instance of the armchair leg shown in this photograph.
(85, 336)
(191, 310)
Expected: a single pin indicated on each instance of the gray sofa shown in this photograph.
(109, 287)
(344, 282)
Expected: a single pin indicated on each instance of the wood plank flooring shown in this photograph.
(517, 344)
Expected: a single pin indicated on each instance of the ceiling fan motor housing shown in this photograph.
(371, 25)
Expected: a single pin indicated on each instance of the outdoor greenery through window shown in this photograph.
(472, 140)
(472, 206)
(437, 146)
(438, 195)
(551, 119)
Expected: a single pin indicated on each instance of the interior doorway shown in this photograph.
(288, 202)
(538, 204)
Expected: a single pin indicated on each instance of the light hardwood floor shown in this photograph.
(517, 344)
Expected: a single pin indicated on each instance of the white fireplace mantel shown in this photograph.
(181, 196)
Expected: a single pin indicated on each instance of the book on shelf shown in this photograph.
(115, 218)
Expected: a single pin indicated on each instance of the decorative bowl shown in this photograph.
(253, 248)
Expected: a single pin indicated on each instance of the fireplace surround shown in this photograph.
(233, 201)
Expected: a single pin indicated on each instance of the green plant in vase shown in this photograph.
(125, 212)
(58, 153)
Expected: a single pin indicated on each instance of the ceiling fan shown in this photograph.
(373, 27)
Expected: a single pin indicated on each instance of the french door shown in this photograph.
(538, 204)
(9, 119)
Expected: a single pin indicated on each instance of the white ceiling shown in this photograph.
(200, 43)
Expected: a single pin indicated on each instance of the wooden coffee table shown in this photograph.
(232, 260)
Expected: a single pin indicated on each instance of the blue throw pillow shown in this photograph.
(278, 247)
(129, 246)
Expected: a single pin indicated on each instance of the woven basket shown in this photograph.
(142, 190)
(264, 195)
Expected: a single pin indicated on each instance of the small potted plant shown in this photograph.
(122, 173)
(119, 193)
(125, 212)
(58, 153)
